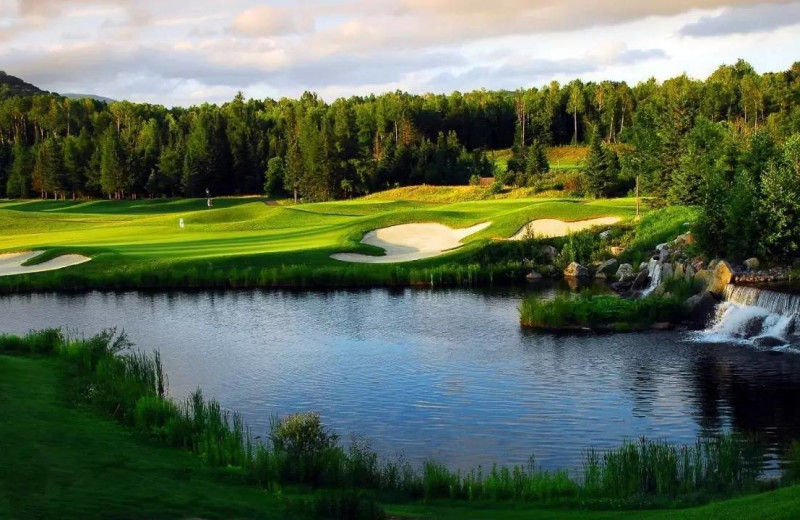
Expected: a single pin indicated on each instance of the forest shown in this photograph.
(724, 143)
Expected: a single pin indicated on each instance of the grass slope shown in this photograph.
(61, 461)
(130, 239)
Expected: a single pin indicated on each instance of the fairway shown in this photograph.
(146, 236)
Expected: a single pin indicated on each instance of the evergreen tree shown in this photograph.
(19, 175)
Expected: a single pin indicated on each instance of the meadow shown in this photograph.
(254, 242)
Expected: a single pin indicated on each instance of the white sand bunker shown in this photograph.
(408, 242)
(548, 228)
(11, 263)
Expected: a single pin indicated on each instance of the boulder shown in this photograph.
(720, 277)
(752, 263)
(617, 250)
(680, 270)
(576, 270)
(662, 325)
(549, 252)
(643, 266)
(664, 254)
(690, 273)
(549, 270)
(659, 247)
(666, 272)
(625, 273)
(768, 342)
(608, 267)
(641, 281)
(600, 276)
(605, 235)
(685, 239)
(700, 308)
(621, 287)
(713, 264)
(533, 276)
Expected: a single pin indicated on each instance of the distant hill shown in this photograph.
(13, 86)
(90, 96)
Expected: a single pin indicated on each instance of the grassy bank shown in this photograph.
(245, 242)
(60, 453)
(603, 312)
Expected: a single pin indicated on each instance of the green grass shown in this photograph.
(560, 157)
(62, 460)
(245, 242)
(601, 312)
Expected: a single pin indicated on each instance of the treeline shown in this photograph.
(57, 147)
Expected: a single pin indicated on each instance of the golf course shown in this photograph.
(168, 241)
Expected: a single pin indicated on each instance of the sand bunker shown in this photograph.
(548, 228)
(11, 263)
(408, 242)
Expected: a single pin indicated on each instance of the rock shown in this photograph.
(663, 255)
(625, 273)
(679, 271)
(752, 263)
(662, 325)
(658, 291)
(617, 250)
(643, 266)
(685, 239)
(549, 270)
(660, 247)
(608, 267)
(549, 252)
(720, 277)
(768, 342)
(600, 276)
(576, 270)
(641, 281)
(605, 235)
(533, 276)
(713, 264)
(700, 308)
(666, 272)
(690, 273)
(621, 287)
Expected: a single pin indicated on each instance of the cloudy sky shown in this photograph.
(182, 53)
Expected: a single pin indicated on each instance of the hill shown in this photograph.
(14, 86)
(89, 96)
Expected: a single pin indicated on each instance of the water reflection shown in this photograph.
(438, 373)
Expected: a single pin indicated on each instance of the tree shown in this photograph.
(576, 104)
(19, 176)
(276, 172)
(111, 166)
(48, 168)
(602, 169)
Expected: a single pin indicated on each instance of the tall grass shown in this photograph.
(599, 312)
(468, 273)
(130, 386)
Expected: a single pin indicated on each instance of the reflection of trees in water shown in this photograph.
(756, 391)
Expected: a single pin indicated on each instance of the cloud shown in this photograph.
(365, 26)
(526, 72)
(743, 20)
(272, 21)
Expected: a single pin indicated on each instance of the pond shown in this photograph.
(442, 374)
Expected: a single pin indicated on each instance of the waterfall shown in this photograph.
(654, 273)
(761, 318)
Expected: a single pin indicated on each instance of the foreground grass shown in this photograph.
(246, 242)
(62, 461)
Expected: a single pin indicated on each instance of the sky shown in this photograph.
(190, 52)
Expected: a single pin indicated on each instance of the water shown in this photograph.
(442, 374)
(759, 318)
